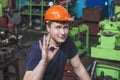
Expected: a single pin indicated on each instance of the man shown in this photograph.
(47, 57)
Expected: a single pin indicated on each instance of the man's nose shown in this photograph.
(62, 31)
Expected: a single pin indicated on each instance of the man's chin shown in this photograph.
(61, 41)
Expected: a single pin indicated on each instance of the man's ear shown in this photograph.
(47, 28)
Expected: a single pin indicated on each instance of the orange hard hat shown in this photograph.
(57, 13)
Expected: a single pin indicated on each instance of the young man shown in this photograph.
(47, 57)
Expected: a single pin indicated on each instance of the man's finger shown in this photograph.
(40, 44)
(44, 41)
(48, 39)
(55, 50)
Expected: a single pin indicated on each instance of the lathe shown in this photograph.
(109, 40)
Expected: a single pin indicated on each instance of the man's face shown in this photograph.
(58, 31)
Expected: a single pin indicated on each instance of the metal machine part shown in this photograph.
(75, 33)
(110, 30)
(103, 77)
(4, 33)
(109, 47)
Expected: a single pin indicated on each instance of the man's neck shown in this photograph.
(52, 41)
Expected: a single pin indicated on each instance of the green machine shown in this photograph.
(75, 32)
(117, 10)
(108, 50)
(109, 47)
(107, 72)
(109, 40)
(3, 4)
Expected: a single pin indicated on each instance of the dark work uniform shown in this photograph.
(55, 68)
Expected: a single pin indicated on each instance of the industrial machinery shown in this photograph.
(75, 32)
(109, 47)
(9, 34)
(107, 52)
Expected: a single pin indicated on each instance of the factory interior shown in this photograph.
(95, 31)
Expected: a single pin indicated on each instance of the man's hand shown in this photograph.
(47, 54)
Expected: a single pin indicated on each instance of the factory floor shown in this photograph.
(26, 41)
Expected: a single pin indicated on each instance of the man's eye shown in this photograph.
(66, 27)
(58, 27)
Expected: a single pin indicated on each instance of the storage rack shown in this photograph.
(32, 9)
